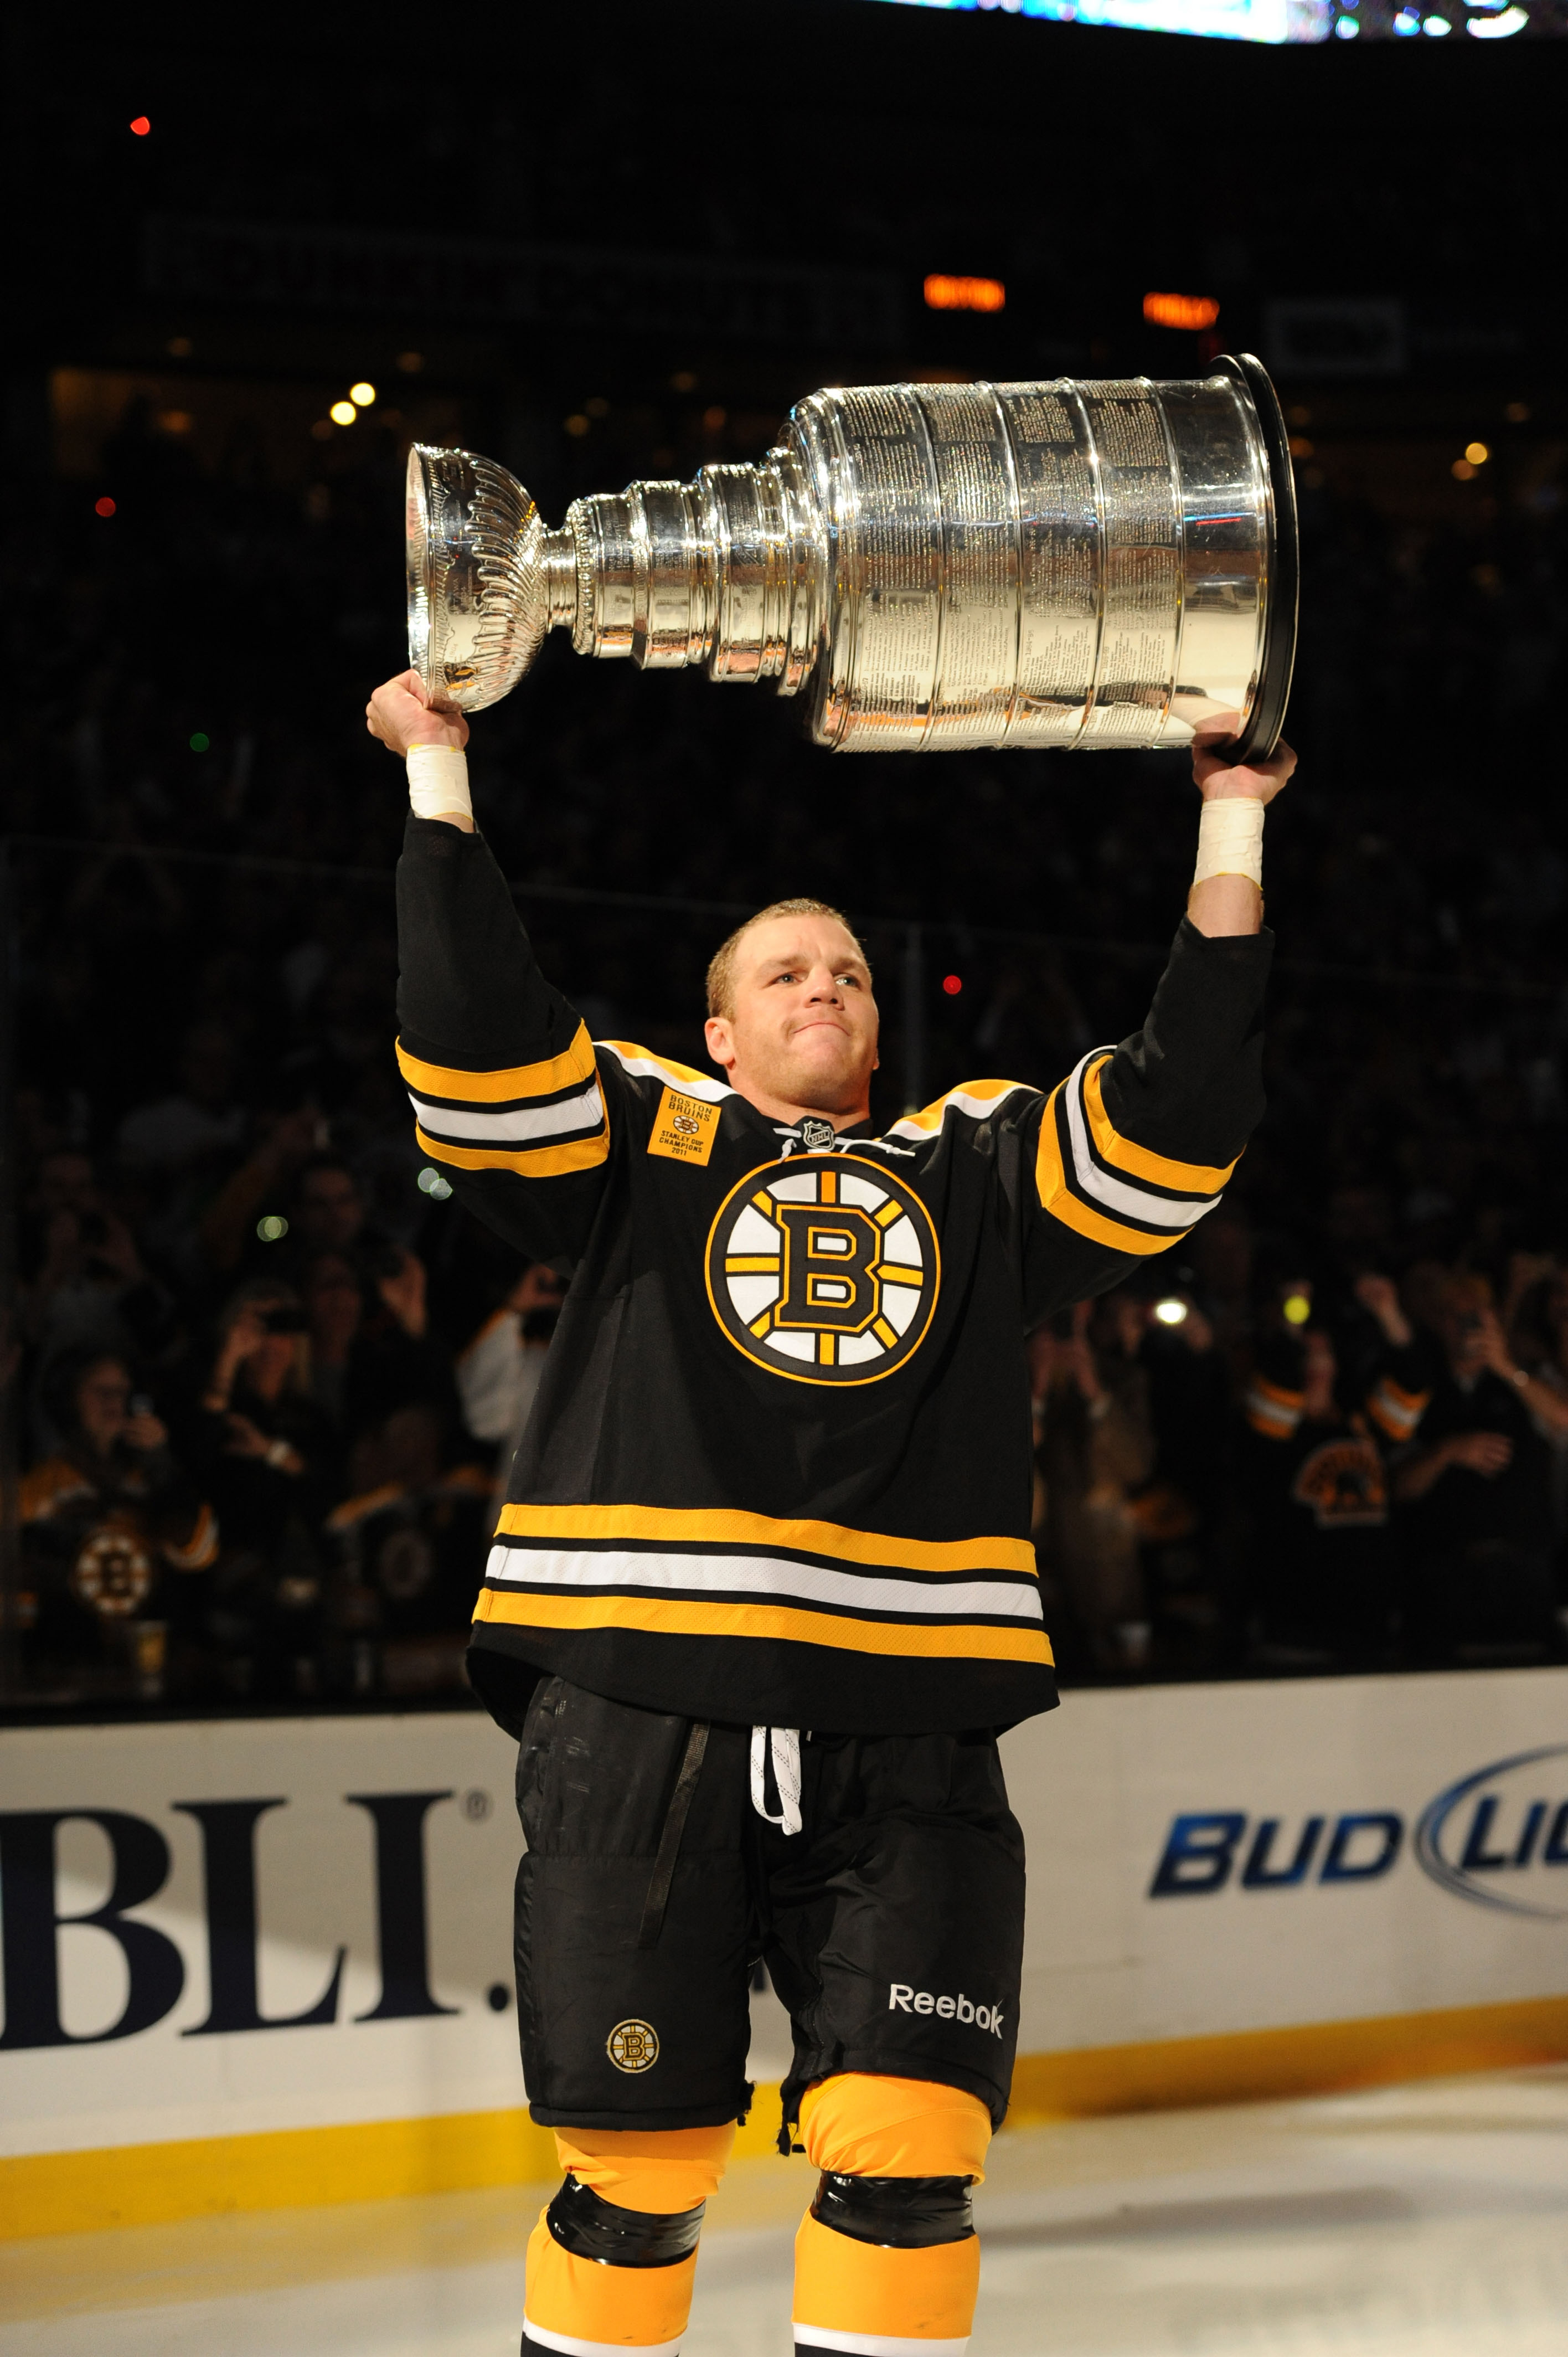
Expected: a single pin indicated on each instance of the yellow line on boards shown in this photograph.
(1319, 2058)
(147, 2184)
(287, 2168)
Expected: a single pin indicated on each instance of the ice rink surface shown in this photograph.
(1420, 2221)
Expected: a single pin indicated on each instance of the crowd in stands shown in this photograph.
(266, 1373)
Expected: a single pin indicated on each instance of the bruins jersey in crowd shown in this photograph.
(778, 1467)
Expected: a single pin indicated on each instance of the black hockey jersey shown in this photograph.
(778, 1468)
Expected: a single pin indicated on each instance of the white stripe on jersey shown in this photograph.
(780, 1578)
(1123, 1195)
(519, 1123)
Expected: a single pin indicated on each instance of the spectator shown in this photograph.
(1185, 1512)
(200, 1121)
(228, 1231)
(269, 1459)
(113, 1530)
(1477, 1488)
(498, 1372)
(367, 1363)
(410, 1549)
(84, 1283)
(328, 1210)
(1322, 1545)
(334, 1305)
(1095, 1447)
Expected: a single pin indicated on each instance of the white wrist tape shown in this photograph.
(438, 782)
(1231, 840)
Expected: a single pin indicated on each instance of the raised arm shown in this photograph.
(499, 1066)
(1136, 1144)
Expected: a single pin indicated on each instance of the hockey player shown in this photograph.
(763, 1593)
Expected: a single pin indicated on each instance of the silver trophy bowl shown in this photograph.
(934, 566)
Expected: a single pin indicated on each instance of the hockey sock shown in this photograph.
(887, 2262)
(612, 2258)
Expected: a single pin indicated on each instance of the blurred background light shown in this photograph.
(361, 395)
(140, 125)
(945, 294)
(1181, 310)
(1171, 1312)
(273, 1228)
(343, 413)
(103, 507)
(952, 983)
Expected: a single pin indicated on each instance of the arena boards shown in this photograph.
(270, 1963)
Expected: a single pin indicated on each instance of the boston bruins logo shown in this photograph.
(823, 1271)
(633, 2046)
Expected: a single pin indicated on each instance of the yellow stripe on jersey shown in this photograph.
(1105, 1187)
(1058, 1198)
(524, 1162)
(975, 1097)
(683, 1617)
(642, 1063)
(1186, 1177)
(721, 1526)
(516, 1081)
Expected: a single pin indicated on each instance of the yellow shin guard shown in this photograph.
(580, 2304)
(866, 2297)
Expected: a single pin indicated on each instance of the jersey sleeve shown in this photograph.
(499, 1066)
(1399, 1393)
(1136, 1144)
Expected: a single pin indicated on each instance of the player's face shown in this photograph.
(803, 1033)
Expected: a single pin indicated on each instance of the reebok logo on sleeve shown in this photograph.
(902, 1999)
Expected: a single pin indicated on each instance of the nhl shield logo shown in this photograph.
(825, 1272)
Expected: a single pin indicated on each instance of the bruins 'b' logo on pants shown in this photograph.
(633, 2046)
(824, 1271)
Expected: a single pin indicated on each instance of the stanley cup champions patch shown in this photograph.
(825, 1271)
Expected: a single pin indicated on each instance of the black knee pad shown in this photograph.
(588, 2226)
(902, 2213)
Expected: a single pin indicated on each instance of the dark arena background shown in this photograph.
(1319, 1452)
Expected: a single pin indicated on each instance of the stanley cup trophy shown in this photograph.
(934, 566)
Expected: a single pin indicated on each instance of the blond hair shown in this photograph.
(721, 966)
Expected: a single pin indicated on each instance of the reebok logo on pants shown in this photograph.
(902, 1999)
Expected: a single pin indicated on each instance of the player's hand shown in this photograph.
(399, 714)
(1218, 781)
